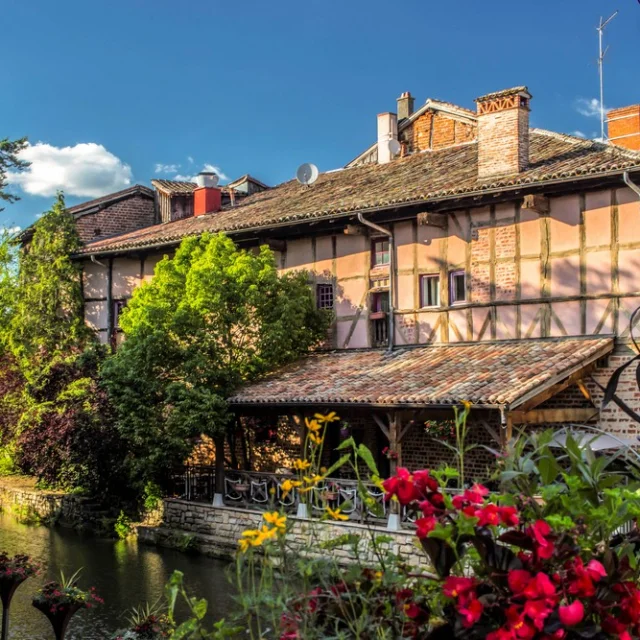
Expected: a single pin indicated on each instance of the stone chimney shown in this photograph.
(624, 127)
(503, 132)
(387, 133)
(207, 198)
(405, 105)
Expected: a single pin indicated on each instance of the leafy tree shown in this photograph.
(48, 315)
(8, 284)
(9, 159)
(212, 318)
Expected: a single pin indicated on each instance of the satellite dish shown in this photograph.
(307, 173)
(394, 147)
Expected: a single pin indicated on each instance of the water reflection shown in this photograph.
(124, 573)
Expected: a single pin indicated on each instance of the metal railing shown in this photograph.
(263, 491)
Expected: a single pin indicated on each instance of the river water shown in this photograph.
(124, 573)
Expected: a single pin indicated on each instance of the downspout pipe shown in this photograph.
(631, 185)
(392, 272)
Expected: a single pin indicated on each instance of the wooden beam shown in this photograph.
(354, 230)
(382, 425)
(534, 401)
(542, 416)
(538, 203)
(491, 431)
(428, 218)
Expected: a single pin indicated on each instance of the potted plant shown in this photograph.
(60, 600)
(13, 572)
(146, 623)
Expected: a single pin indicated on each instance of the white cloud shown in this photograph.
(190, 159)
(579, 134)
(10, 230)
(206, 167)
(589, 107)
(84, 170)
(166, 168)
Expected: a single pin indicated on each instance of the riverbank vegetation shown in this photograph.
(81, 417)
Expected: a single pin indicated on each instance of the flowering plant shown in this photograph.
(19, 567)
(511, 567)
(60, 595)
(390, 453)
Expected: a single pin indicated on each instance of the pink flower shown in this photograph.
(571, 614)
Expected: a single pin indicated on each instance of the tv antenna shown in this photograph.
(601, 54)
(307, 174)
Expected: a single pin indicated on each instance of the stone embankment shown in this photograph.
(215, 531)
(20, 497)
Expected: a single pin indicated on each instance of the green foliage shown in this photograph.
(152, 496)
(9, 159)
(212, 318)
(122, 527)
(48, 312)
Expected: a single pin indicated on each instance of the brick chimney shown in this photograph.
(207, 198)
(387, 132)
(624, 127)
(503, 132)
(405, 105)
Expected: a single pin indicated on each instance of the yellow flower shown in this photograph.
(312, 425)
(301, 465)
(288, 485)
(313, 479)
(244, 544)
(315, 438)
(264, 535)
(274, 518)
(330, 417)
(466, 404)
(336, 514)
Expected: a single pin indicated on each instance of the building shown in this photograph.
(467, 256)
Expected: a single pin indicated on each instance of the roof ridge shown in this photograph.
(601, 146)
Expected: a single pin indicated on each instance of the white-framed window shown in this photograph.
(430, 291)
(457, 286)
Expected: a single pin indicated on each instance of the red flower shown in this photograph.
(518, 580)
(596, 570)
(538, 611)
(402, 486)
(455, 587)
(475, 495)
(471, 612)
(488, 516)
(540, 587)
(424, 481)
(539, 532)
(509, 516)
(425, 526)
(571, 614)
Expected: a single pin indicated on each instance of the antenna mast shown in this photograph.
(601, 55)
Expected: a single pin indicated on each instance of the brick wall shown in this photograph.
(612, 418)
(123, 216)
(421, 450)
(503, 142)
(434, 130)
(624, 127)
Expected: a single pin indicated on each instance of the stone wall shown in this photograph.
(30, 505)
(215, 531)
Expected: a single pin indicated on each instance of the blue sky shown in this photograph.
(113, 89)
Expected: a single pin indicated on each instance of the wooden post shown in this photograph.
(395, 513)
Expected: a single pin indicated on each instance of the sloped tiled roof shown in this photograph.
(136, 189)
(486, 374)
(419, 178)
(174, 187)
